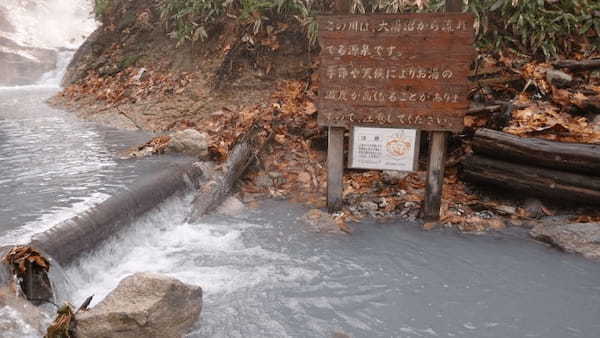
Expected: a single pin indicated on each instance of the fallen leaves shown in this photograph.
(20, 256)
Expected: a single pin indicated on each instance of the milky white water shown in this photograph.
(264, 275)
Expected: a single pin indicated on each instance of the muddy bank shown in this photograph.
(131, 74)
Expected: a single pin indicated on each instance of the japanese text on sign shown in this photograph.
(417, 64)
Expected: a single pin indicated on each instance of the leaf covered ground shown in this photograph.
(153, 95)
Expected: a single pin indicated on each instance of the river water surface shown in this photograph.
(263, 274)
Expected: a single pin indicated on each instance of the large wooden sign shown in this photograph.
(405, 71)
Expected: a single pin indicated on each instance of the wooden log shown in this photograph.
(214, 192)
(573, 157)
(532, 180)
(578, 65)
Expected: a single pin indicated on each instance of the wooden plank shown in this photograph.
(335, 168)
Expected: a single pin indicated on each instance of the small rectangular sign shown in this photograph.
(384, 148)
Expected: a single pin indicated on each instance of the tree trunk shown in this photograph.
(532, 180)
(573, 157)
(214, 192)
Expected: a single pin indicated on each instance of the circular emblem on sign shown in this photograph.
(398, 146)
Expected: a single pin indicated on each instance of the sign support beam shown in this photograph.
(335, 168)
(437, 156)
(335, 148)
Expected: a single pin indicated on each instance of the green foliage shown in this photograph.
(101, 7)
(545, 27)
(192, 17)
(537, 26)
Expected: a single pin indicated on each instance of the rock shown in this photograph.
(189, 141)
(263, 181)
(581, 238)
(533, 208)
(232, 206)
(393, 176)
(322, 222)
(143, 305)
(368, 206)
(141, 75)
(18, 317)
(558, 78)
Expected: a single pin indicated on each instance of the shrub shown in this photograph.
(101, 8)
(538, 26)
(542, 27)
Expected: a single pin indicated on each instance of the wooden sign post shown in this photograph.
(402, 71)
(437, 156)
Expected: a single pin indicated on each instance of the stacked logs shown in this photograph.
(561, 171)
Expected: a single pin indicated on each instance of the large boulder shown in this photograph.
(189, 141)
(143, 305)
(581, 238)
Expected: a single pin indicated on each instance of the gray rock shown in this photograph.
(558, 78)
(263, 181)
(533, 208)
(581, 238)
(189, 141)
(393, 176)
(18, 317)
(143, 305)
(368, 206)
(141, 75)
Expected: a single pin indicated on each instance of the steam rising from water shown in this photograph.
(56, 26)
(49, 24)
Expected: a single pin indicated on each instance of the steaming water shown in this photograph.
(49, 24)
(263, 275)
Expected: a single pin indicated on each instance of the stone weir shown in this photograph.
(82, 233)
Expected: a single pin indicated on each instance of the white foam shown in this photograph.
(214, 256)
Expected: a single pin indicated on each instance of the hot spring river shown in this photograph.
(262, 273)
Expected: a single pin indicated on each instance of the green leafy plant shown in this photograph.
(537, 26)
(101, 7)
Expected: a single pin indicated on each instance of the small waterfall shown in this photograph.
(54, 77)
